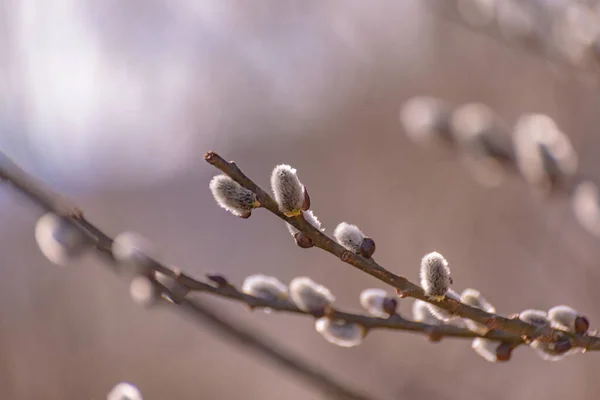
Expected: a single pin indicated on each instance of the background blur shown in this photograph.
(115, 102)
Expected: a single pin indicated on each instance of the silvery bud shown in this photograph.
(143, 291)
(124, 391)
(309, 296)
(58, 240)
(351, 238)
(553, 351)
(340, 333)
(549, 351)
(473, 298)
(538, 318)
(301, 239)
(232, 196)
(568, 319)
(586, 206)
(378, 303)
(422, 313)
(289, 192)
(492, 351)
(265, 287)
(435, 275)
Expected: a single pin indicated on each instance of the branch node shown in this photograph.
(346, 256)
(209, 156)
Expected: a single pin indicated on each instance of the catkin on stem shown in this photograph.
(265, 287)
(378, 303)
(309, 296)
(352, 238)
(340, 333)
(58, 240)
(435, 275)
(288, 191)
(232, 197)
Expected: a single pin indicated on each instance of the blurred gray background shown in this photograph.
(114, 103)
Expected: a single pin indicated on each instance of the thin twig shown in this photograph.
(404, 287)
(103, 243)
(11, 174)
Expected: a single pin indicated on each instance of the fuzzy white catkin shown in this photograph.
(442, 314)
(586, 206)
(422, 313)
(535, 317)
(231, 196)
(349, 236)
(547, 353)
(287, 190)
(311, 218)
(485, 348)
(143, 292)
(373, 301)
(563, 317)
(309, 295)
(58, 241)
(435, 275)
(265, 287)
(543, 350)
(473, 298)
(340, 333)
(543, 151)
(124, 391)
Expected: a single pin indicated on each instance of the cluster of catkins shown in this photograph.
(436, 281)
(567, 29)
(61, 241)
(535, 147)
(292, 199)
(294, 202)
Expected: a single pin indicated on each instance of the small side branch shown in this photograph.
(404, 287)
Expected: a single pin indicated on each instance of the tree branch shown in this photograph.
(404, 287)
(11, 174)
(103, 244)
(448, 11)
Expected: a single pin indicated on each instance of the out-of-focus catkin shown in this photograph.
(58, 240)
(340, 333)
(378, 303)
(473, 298)
(308, 295)
(265, 287)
